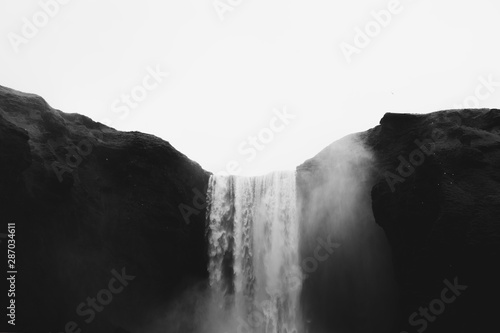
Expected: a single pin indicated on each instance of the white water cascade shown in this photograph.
(252, 228)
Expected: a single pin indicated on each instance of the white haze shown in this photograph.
(355, 284)
(226, 77)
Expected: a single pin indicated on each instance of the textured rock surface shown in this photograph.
(442, 216)
(114, 205)
(435, 191)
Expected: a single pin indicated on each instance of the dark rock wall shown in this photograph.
(441, 213)
(88, 199)
(435, 192)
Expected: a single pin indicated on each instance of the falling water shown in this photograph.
(253, 251)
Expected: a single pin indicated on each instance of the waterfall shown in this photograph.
(252, 228)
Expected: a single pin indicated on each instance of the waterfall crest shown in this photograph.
(253, 233)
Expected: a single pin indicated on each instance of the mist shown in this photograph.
(349, 284)
(344, 278)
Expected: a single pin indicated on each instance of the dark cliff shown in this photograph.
(435, 193)
(87, 200)
(437, 197)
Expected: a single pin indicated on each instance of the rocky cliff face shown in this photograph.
(437, 197)
(90, 203)
(435, 192)
(400, 224)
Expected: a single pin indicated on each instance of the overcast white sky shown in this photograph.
(234, 64)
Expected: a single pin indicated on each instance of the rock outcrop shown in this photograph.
(90, 203)
(435, 192)
(437, 197)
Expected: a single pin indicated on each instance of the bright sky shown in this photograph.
(328, 68)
